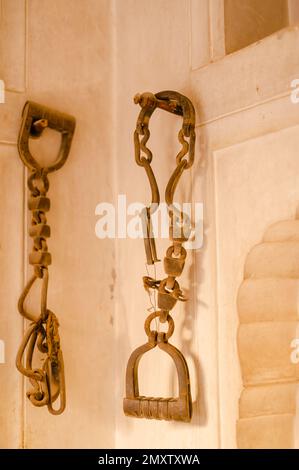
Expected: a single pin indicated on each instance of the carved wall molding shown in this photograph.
(268, 308)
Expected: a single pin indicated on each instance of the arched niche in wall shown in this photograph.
(268, 308)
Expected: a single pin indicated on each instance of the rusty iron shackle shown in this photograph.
(48, 382)
(35, 119)
(139, 406)
(169, 291)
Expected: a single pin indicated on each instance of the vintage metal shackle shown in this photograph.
(169, 291)
(35, 118)
(48, 383)
(179, 408)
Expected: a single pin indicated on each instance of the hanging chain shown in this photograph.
(169, 291)
(48, 382)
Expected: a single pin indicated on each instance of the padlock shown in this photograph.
(174, 266)
(167, 299)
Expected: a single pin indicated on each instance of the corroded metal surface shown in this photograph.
(169, 291)
(48, 383)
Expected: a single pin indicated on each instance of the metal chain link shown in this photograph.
(168, 289)
(47, 382)
(42, 335)
(178, 408)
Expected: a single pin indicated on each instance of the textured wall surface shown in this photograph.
(268, 312)
(152, 41)
(264, 336)
(59, 60)
(89, 58)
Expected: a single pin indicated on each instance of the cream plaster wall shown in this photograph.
(238, 99)
(153, 54)
(89, 58)
(256, 185)
(62, 53)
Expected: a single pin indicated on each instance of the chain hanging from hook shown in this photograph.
(48, 382)
(169, 291)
